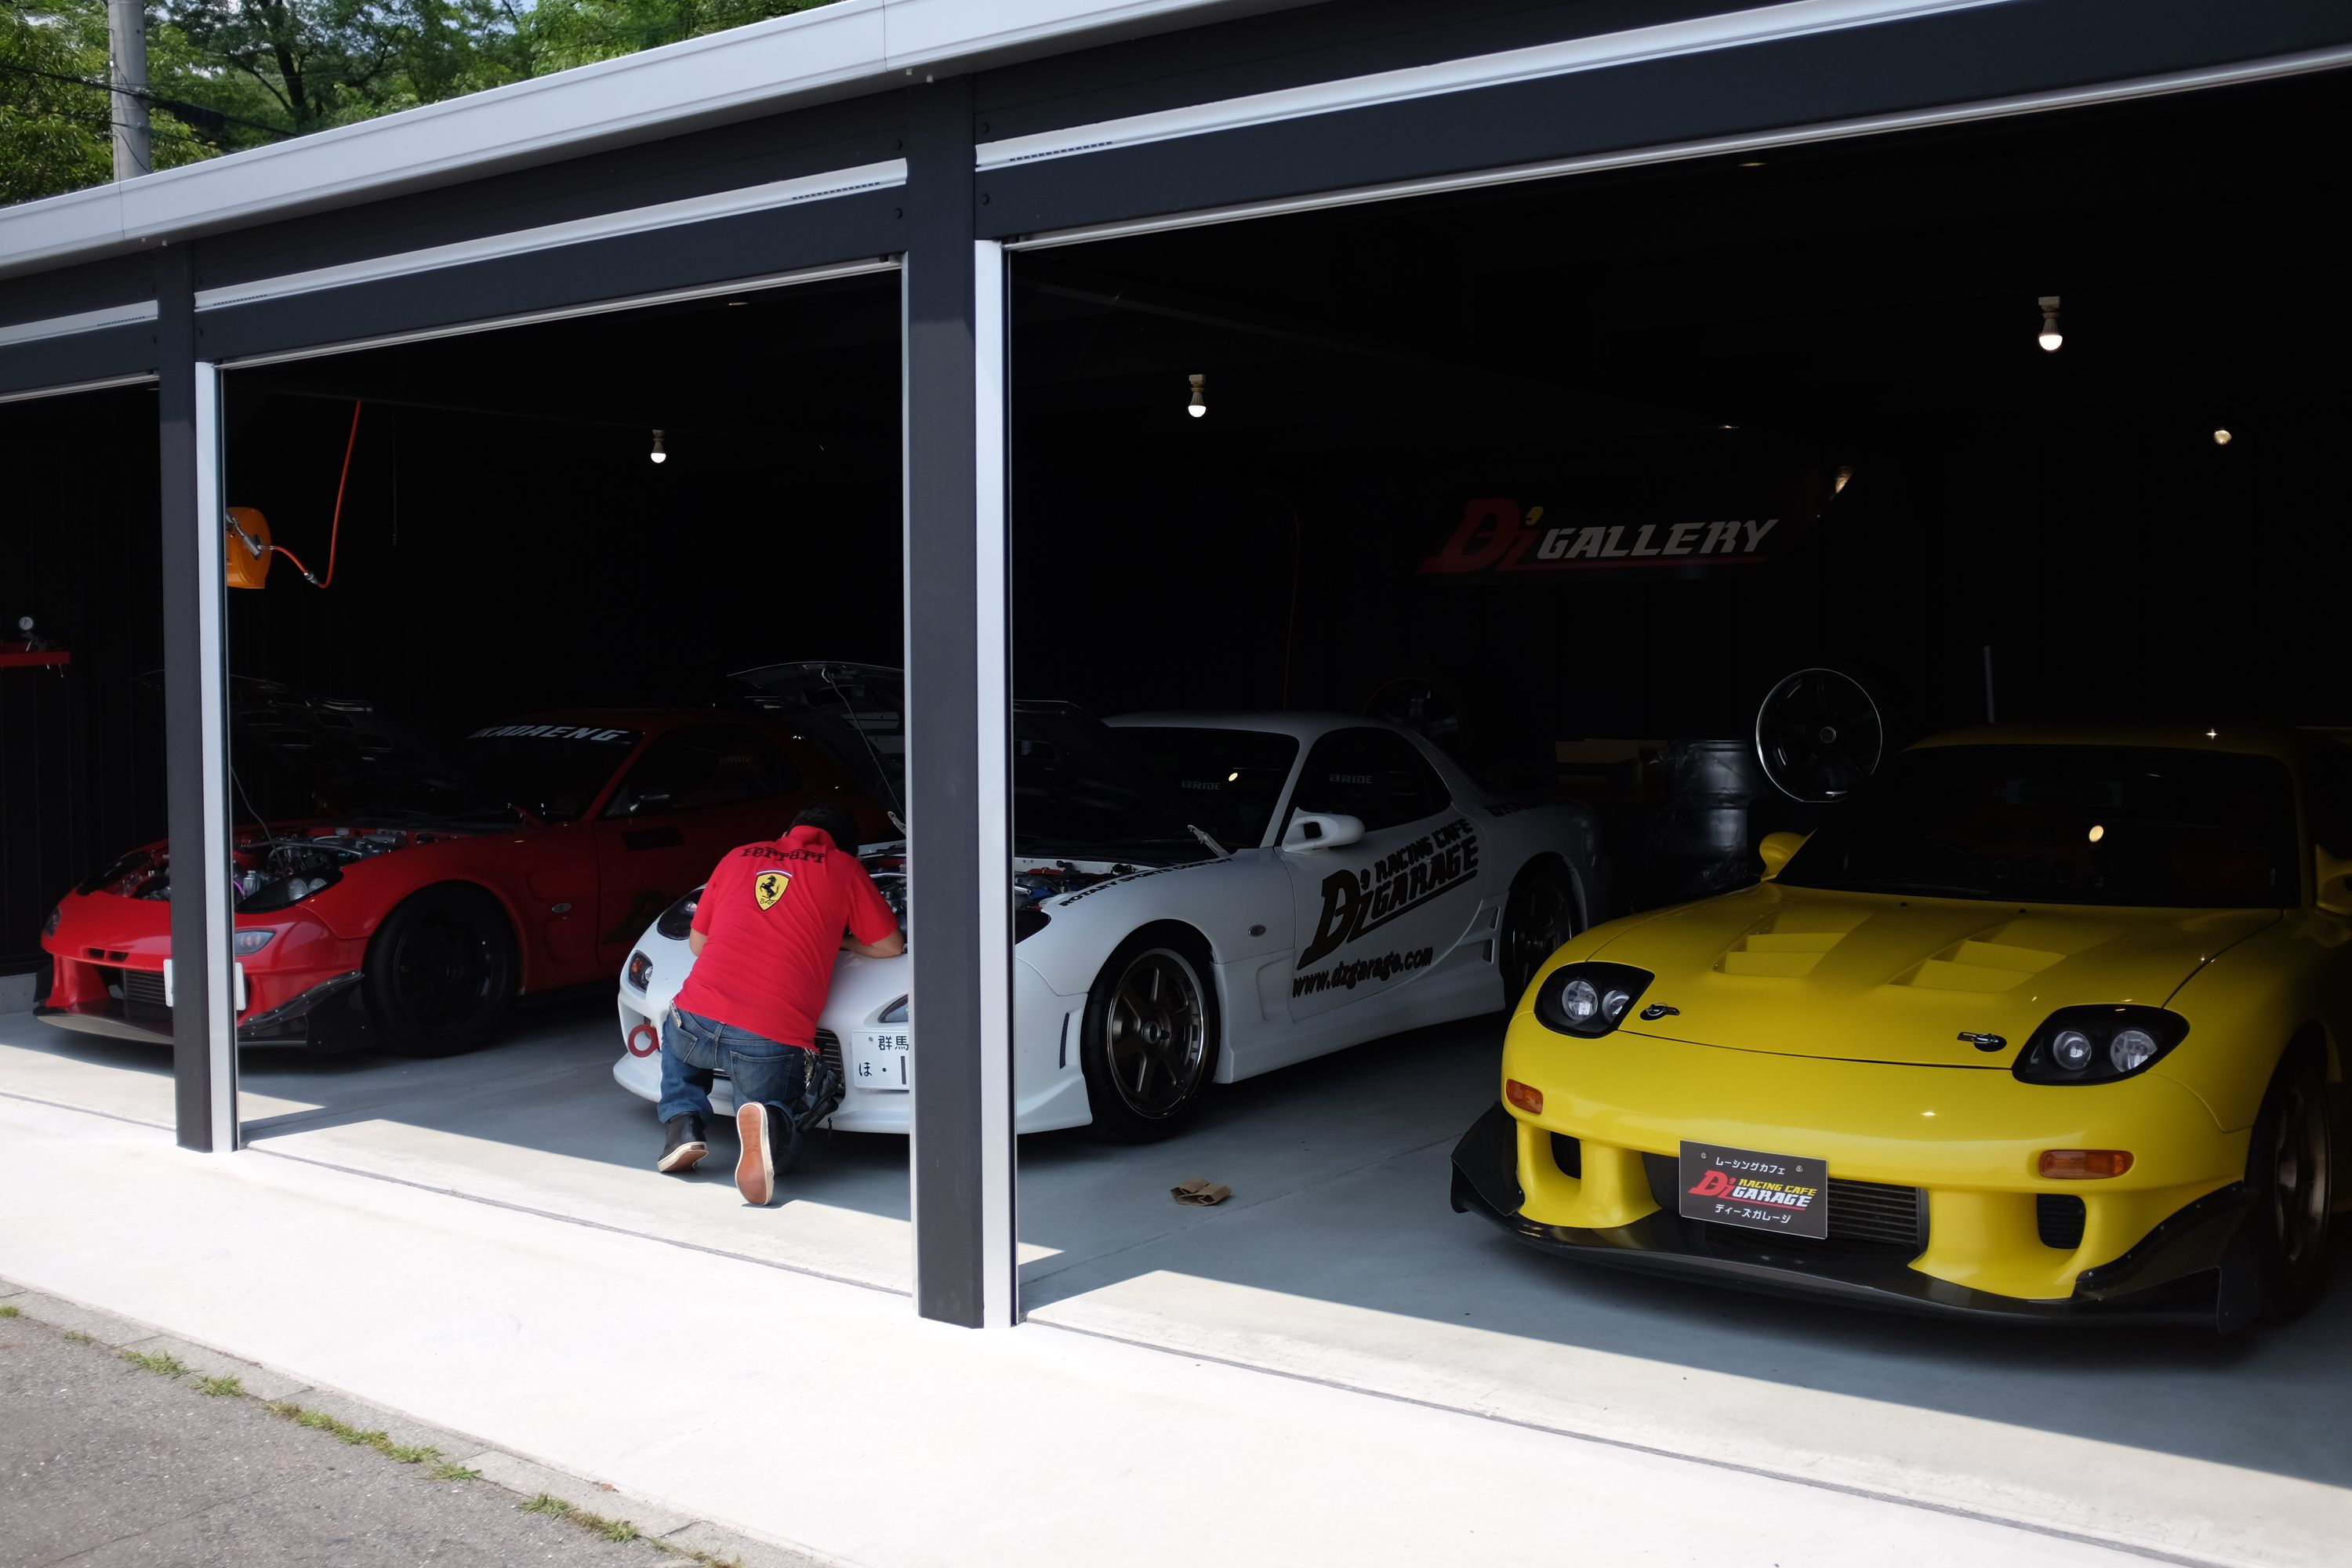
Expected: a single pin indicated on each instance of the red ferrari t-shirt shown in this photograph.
(772, 919)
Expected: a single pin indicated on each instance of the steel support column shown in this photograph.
(958, 787)
(195, 737)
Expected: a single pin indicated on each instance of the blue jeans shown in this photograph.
(695, 1048)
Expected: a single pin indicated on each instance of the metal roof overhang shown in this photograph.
(594, 188)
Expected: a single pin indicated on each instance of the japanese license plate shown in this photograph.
(878, 1059)
(1783, 1192)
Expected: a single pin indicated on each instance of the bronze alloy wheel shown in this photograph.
(2300, 1174)
(1156, 1037)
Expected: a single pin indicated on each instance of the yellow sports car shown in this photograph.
(2035, 1026)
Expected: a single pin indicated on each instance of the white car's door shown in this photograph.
(1375, 914)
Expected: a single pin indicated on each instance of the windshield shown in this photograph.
(1230, 780)
(552, 770)
(2067, 825)
(1078, 789)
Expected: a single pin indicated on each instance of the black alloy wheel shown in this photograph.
(1536, 922)
(1149, 1046)
(2290, 1166)
(442, 972)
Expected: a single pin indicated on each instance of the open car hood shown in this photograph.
(1874, 977)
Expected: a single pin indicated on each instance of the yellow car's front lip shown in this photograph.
(1971, 1137)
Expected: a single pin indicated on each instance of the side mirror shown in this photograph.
(653, 800)
(1776, 850)
(1321, 830)
(2334, 892)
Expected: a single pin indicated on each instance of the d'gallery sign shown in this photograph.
(1494, 540)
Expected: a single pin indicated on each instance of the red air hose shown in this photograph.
(334, 537)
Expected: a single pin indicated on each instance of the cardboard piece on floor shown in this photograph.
(1200, 1193)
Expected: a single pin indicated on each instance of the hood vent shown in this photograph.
(1786, 944)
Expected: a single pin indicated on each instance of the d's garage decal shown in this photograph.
(1358, 902)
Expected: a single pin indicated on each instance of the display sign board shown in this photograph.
(1494, 540)
(1788, 1194)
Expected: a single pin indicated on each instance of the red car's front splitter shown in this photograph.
(330, 1016)
(2192, 1269)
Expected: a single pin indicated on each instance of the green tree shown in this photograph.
(561, 34)
(225, 74)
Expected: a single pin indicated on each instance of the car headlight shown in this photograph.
(1590, 999)
(49, 926)
(1028, 921)
(640, 971)
(678, 921)
(249, 942)
(2098, 1045)
(895, 1012)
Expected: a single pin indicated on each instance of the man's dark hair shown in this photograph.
(837, 824)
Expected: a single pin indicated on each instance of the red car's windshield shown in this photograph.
(554, 772)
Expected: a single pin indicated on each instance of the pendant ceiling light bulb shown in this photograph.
(658, 454)
(2050, 336)
(1199, 404)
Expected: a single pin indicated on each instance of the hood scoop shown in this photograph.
(1787, 944)
(2006, 956)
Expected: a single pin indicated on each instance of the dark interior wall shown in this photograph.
(81, 768)
(1719, 339)
(491, 566)
(506, 543)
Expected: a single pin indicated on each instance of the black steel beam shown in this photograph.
(1983, 53)
(865, 226)
(186, 649)
(108, 353)
(943, 786)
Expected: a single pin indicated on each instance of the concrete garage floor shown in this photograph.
(1339, 1261)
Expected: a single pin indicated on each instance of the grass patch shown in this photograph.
(10, 1312)
(553, 1507)
(77, 1336)
(610, 1528)
(448, 1472)
(161, 1362)
(219, 1387)
(357, 1438)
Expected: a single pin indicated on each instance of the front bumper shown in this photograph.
(1049, 1088)
(2191, 1268)
(330, 1016)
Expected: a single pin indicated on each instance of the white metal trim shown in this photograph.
(841, 50)
(1787, 136)
(547, 236)
(1698, 34)
(79, 321)
(595, 307)
(212, 881)
(993, 664)
(73, 388)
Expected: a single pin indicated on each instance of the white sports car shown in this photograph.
(1370, 886)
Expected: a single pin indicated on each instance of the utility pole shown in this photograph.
(126, 31)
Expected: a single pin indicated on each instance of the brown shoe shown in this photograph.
(755, 1168)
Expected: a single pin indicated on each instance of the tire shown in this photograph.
(2290, 1165)
(1148, 1049)
(1539, 918)
(441, 973)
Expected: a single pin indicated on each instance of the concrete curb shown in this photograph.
(525, 1478)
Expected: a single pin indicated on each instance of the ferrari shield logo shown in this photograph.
(770, 886)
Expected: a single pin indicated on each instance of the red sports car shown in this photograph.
(391, 894)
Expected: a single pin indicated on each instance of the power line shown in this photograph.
(197, 116)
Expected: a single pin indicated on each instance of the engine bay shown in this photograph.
(267, 870)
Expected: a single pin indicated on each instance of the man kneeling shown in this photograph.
(765, 936)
